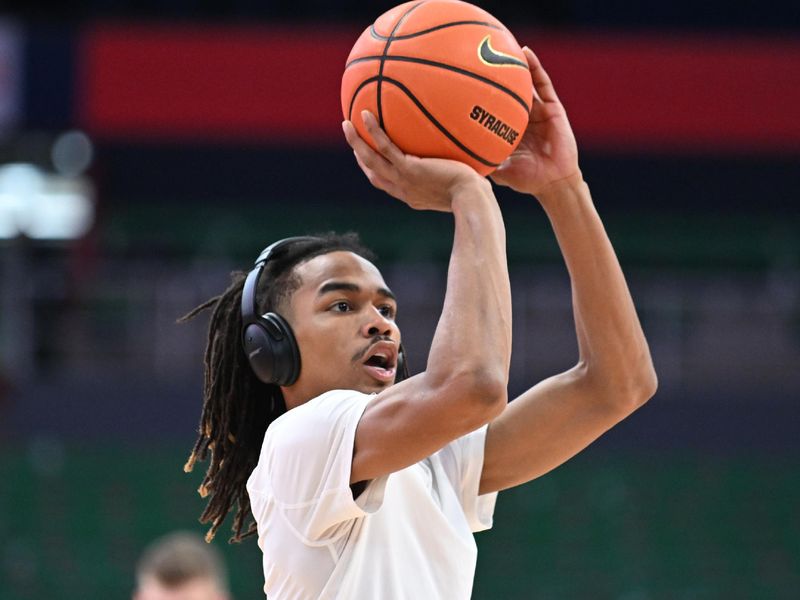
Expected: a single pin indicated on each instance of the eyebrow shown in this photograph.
(335, 286)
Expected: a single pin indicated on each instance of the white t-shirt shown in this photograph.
(407, 536)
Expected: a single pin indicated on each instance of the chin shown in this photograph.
(373, 386)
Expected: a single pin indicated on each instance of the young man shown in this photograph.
(364, 487)
(179, 566)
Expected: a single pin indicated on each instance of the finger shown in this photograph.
(542, 85)
(353, 138)
(382, 142)
(499, 174)
(374, 178)
(388, 186)
(536, 97)
(368, 160)
(363, 151)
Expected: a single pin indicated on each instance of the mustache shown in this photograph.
(358, 356)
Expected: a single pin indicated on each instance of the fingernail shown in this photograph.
(365, 115)
(344, 126)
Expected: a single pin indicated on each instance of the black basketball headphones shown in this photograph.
(268, 340)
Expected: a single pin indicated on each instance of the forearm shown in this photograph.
(612, 346)
(560, 416)
(465, 383)
(474, 331)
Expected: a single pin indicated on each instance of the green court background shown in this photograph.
(606, 525)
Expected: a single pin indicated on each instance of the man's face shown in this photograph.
(194, 589)
(343, 316)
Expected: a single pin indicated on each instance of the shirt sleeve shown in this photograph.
(308, 459)
(463, 462)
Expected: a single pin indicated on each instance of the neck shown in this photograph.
(294, 396)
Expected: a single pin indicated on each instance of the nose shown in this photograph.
(378, 324)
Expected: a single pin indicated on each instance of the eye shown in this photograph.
(387, 310)
(342, 306)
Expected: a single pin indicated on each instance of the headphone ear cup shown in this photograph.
(272, 350)
(258, 348)
(286, 353)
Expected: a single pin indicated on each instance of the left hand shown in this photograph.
(547, 154)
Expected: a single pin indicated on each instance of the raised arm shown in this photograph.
(614, 375)
(464, 383)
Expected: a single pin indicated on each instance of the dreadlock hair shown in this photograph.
(237, 406)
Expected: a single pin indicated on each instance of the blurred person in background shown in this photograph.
(180, 566)
(365, 483)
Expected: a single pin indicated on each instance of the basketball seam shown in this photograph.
(438, 125)
(361, 86)
(406, 36)
(432, 63)
(385, 52)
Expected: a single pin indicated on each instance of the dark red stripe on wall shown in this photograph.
(622, 91)
(685, 92)
(213, 83)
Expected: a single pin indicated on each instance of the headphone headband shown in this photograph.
(249, 304)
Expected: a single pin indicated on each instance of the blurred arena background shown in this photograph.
(149, 148)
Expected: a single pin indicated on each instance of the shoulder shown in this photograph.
(318, 418)
(308, 450)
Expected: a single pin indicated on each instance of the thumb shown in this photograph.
(500, 175)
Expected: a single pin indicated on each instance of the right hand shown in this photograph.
(422, 183)
(547, 156)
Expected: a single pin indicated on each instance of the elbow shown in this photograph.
(644, 380)
(648, 384)
(629, 390)
(489, 392)
(642, 385)
(639, 389)
(480, 393)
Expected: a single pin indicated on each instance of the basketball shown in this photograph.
(445, 79)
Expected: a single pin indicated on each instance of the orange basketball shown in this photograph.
(445, 79)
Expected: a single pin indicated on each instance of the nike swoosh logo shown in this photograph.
(490, 56)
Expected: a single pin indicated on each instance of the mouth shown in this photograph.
(380, 362)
